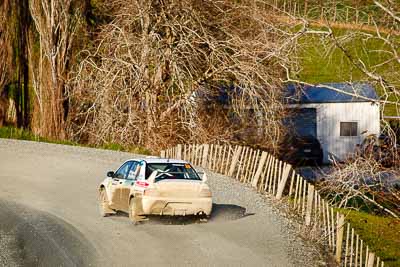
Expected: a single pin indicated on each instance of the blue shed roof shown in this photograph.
(330, 93)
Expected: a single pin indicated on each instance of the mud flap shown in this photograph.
(137, 215)
(107, 209)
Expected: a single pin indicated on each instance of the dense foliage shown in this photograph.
(153, 73)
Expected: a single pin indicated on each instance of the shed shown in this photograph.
(339, 115)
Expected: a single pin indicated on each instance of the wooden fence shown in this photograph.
(268, 174)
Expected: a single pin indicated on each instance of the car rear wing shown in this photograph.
(155, 174)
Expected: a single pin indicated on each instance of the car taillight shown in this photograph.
(142, 183)
(205, 192)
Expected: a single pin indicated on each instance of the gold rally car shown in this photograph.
(155, 186)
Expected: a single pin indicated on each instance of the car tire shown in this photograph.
(133, 216)
(103, 203)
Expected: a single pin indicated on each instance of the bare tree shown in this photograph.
(3, 44)
(55, 22)
(5, 56)
(363, 182)
(152, 67)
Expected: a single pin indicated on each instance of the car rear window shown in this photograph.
(182, 171)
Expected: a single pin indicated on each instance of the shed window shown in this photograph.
(348, 129)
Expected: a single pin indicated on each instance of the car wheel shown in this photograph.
(133, 210)
(103, 203)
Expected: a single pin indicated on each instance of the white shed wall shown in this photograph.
(329, 116)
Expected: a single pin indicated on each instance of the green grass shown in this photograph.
(382, 234)
(342, 7)
(21, 134)
(132, 149)
(322, 62)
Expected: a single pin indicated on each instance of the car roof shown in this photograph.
(159, 160)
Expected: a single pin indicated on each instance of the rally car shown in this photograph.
(155, 186)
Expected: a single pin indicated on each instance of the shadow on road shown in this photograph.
(220, 213)
(228, 212)
(29, 237)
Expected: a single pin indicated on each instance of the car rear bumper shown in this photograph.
(176, 206)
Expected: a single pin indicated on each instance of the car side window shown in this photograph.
(123, 170)
(133, 171)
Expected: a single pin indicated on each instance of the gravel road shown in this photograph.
(49, 217)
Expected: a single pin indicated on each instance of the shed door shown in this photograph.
(304, 121)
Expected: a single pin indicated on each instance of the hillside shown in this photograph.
(321, 62)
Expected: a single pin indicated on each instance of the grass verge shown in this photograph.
(21, 134)
(382, 234)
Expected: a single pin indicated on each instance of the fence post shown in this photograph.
(371, 259)
(272, 173)
(213, 156)
(328, 223)
(228, 159)
(285, 175)
(240, 163)
(250, 159)
(199, 155)
(205, 155)
(259, 169)
(346, 255)
(351, 246)
(292, 183)
(268, 167)
(192, 153)
(235, 158)
(210, 157)
(219, 159)
(361, 252)
(254, 165)
(310, 198)
(300, 196)
(179, 151)
(271, 188)
(303, 202)
(339, 238)
(333, 229)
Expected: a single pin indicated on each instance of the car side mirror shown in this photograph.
(110, 174)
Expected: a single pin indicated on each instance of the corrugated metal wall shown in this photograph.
(329, 116)
(304, 121)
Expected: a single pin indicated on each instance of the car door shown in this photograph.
(117, 183)
(125, 186)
